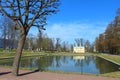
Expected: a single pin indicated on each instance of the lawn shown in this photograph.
(114, 58)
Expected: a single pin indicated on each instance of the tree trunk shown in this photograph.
(18, 54)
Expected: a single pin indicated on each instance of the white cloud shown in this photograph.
(70, 31)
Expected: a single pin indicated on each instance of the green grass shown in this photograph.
(26, 53)
(12, 54)
(6, 54)
(112, 74)
(114, 58)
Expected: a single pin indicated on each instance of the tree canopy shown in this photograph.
(109, 41)
(26, 14)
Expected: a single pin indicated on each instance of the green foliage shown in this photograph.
(1, 49)
(112, 74)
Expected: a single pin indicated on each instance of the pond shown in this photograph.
(80, 64)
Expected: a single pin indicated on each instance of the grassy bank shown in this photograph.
(114, 58)
(12, 54)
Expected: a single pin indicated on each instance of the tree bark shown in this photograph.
(18, 54)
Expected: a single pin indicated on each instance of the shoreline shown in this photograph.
(5, 74)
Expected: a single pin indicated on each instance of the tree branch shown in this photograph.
(26, 12)
(36, 15)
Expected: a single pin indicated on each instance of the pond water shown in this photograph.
(80, 64)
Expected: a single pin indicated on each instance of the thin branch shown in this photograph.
(26, 12)
(36, 15)
(19, 11)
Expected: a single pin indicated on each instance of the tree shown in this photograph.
(39, 40)
(109, 38)
(101, 42)
(26, 14)
(45, 42)
(58, 44)
(79, 42)
(26, 45)
(5, 31)
(8, 33)
(65, 46)
(87, 45)
(51, 44)
(109, 41)
(112, 34)
(31, 41)
(116, 34)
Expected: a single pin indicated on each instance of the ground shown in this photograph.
(5, 74)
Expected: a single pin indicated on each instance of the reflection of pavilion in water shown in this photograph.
(78, 57)
(79, 62)
(78, 49)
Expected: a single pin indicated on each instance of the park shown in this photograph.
(59, 63)
(83, 46)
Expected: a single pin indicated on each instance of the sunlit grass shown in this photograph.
(114, 58)
(30, 53)
(112, 74)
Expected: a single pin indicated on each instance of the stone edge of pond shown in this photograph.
(22, 56)
(6, 57)
(110, 60)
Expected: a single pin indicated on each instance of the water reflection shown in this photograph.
(86, 64)
(78, 57)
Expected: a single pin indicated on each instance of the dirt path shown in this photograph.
(5, 74)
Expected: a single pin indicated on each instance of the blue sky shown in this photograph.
(81, 19)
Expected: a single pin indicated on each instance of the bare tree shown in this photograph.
(26, 45)
(39, 40)
(58, 44)
(26, 14)
(79, 42)
(8, 33)
(87, 45)
(5, 31)
(51, 44)
(65, 46)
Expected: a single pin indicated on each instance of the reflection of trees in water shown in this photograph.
(59, 60)
(44, 62)
(25, 62)
(78, 62)
(88, 59)
(41, 62)
(65, 59)
(6, 62)
(104, 66)
(83, 61)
